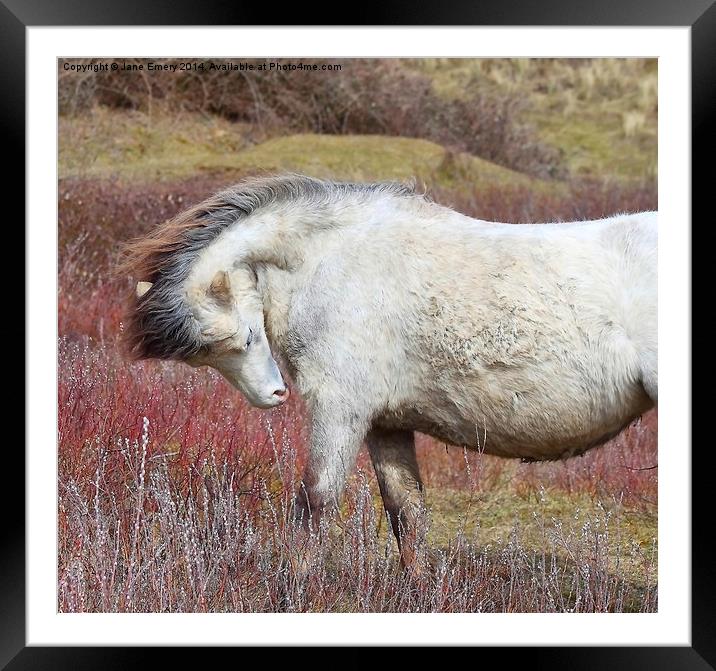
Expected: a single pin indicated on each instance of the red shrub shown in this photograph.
(174, 493)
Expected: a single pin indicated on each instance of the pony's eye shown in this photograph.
(250, 338)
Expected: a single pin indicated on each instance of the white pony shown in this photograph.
(394, 314)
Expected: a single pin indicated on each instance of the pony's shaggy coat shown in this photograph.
(395, 314)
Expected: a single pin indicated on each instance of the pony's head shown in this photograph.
(227, 314)
(213, 317)
(198, 304)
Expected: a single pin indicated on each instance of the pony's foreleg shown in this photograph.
(336, 436)
(396, 467)
(335, 441)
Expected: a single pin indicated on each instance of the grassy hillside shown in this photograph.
(558, 118)
(135, 146)
(600, 113)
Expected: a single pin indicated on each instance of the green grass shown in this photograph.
(373, 157)
(134, 146)
(600, 113)
(137, 146)
(595, 144)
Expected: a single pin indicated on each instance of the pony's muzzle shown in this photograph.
(281, 395)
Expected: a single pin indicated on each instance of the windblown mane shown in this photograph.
(159, 324)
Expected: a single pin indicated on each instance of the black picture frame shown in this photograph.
(699, 15)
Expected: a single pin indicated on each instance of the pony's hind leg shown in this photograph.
(396, 467)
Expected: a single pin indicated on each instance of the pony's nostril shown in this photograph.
(282, 394)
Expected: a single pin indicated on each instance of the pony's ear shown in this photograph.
(142, 288)
(220, 288)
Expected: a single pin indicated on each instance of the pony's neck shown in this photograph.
(275, 287)
(275, 235)
(274, 242)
